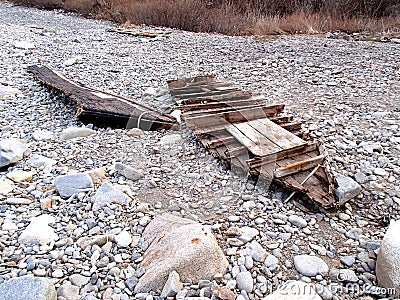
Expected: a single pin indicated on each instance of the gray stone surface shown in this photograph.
(75, 132)
(310, 265)
(28, 288)
(347, 188)
(297, 221)
(106, 194)
(244, 281)
(11, 151)
(388, 262)
(181, 245)
(172, 286)
(128, 172)
(68, 185)
(68, 291)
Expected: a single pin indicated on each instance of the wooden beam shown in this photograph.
(183, 82)
(287, 153)
(299, 166)
(220, 104)
(242, 115)
(282, 119)
(291, 126)
(199, 88)
(207, 93)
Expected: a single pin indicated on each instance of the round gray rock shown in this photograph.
(308, 265)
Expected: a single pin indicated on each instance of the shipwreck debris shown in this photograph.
(135, 31)
(253, 137)
(101, 108)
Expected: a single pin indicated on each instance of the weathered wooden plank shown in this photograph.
(298, 166)
(286, 153)
(220, 104)
(232, 152)
(277, 134)
(250, 138)
(291, 126)
(207, 93)
(215, 86)
(217, 110)
(221, 141)
(183, 82)
(102, 108)
(282, 119)
(234, 116)
(239, 95)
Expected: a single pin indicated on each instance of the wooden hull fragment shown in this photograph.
(101, 108)
(254, 138)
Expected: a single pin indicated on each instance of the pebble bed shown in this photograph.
(347, 93)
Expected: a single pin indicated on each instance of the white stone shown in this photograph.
(170, 139)
(123, 239)
(73, 60)
(388, 262)
(43, 135)
(26, 45)
(39, 231)
(12, 151)
(8, 91)
(20, 176)
(75, 132)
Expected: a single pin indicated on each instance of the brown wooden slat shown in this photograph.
(233, 96)
(215, 86)
(292, 126)
(217, 110)
(287, 153)
(221, 141)
(281, 119)
(102, 108)
(299, 166)
(234, 116)
(207, 93)
(182, 82)
(256, 143)
(283, 138)
(220, 104)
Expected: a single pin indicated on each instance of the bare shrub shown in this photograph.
(236, 17)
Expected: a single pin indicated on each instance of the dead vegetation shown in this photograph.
(249, 17)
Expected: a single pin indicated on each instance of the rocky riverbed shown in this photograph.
(74, 202)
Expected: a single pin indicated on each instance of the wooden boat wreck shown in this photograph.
(253, 137)
(101, 108)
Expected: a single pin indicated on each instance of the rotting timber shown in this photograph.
(253, 137)
(101, 108)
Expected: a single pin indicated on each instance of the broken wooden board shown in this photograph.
(101, 108)
(253, 138)
(138, 32)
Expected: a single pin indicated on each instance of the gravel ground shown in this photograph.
(346, 92)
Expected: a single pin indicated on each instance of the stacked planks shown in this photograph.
(252, 137)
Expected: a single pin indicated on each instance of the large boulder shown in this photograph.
(28, 288)
(181, 245)
(294, 290)
(388, 262)
(12, 151)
